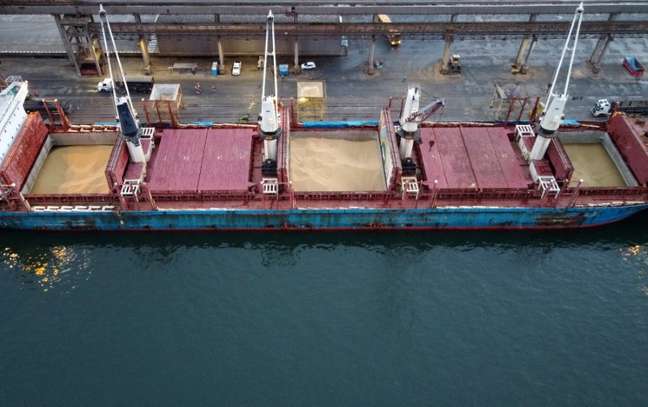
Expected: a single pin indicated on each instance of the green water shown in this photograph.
(366, 319)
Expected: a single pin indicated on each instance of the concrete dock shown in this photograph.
(352, 93)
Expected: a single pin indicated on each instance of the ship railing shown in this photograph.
(342, 196)
(178, 196)
(117, 163)
(57, 118)
(41, 199)
(441, 193)
(618, 193)
(610, 191)
(73, 208)
(598, 194)
(484, 193)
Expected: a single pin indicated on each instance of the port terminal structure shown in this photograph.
(449, 20)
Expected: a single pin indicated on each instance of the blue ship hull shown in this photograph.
(322, 219)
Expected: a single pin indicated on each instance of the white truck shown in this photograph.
(136, 84)
(604, 107)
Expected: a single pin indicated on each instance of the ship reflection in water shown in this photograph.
(397, 317)
(50, 260)
(45, 266)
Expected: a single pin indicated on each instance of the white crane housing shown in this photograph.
(555, 104)
(269, 116)
(411, 117)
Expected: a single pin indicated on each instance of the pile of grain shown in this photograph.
(593, 165)
(74, 170)
(335, 164)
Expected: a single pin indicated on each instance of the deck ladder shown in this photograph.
(410, 186)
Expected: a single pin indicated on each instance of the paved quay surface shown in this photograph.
(352, 93)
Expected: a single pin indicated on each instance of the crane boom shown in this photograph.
(427, 111)
(555, 104)
(124, 109)
(412, 115)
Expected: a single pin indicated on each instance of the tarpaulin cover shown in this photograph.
(633, 63)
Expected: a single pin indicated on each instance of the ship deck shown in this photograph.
(459, 165)
(472, 157)
(194, 160)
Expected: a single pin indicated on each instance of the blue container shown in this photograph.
(283, 70)
(214, 69)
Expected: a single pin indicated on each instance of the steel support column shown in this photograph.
(143, 46)
(221, 53)
(445, 57)
(526, 46)
(372, 51)
(221, 57)
(296, 54)
(94, 48)
(97, 54)
(296, 66)
(146, 59)
(67, 44)
(601, 46)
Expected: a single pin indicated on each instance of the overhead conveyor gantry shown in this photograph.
(316, 7)
(428, 29)
(519, 18)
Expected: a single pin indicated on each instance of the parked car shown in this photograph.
(307, 66)
(236, 68)
(260, 62)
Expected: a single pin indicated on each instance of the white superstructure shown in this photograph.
(12, 114)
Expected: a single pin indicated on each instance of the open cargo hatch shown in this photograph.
(336, 161)
(71, 164)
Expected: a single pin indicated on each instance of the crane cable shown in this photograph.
(104, 16)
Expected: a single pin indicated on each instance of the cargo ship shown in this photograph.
(403, 172)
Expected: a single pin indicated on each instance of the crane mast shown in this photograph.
(556, 100)
(411, 117)
(269, 117)
(124, 109)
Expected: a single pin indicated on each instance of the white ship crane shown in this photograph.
(555, 104)
(411, 117)
(269, 117)
(126, 115)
